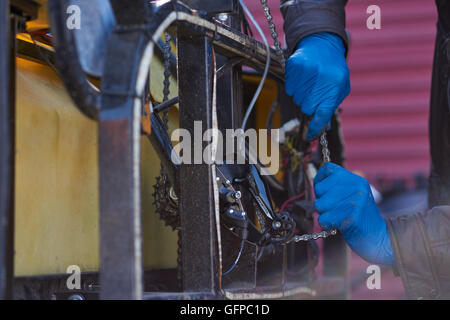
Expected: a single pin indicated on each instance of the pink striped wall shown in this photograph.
(385, 117)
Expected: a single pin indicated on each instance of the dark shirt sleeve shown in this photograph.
(421, 244)
(305, 17)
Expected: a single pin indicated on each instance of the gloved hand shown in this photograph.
(317, 77)
(345, 202)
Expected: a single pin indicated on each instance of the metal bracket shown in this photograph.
(213, 7)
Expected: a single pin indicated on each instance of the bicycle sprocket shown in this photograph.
(166, 202)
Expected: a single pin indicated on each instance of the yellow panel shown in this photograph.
(56, 217)
(56, 177)
(264, 102)
(263, 106)
(157, 81)
(42, 21)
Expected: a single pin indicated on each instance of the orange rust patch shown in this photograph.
(145, 120)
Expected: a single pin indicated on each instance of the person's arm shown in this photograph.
(316, 76)
(305, 17)
(417, 245)
(421, 244)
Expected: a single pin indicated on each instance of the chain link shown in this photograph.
(324, 144)
(167, 74)
(323, 137)
(273, 32)
(326, 158)
(167, 50)
(314, 236)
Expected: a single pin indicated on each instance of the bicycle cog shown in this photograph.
(166, 202)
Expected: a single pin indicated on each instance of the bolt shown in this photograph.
(276, 224)
(233, 196)
(227, 183)
(76, 297)
(223, 17)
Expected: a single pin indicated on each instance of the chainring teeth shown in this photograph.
(165, 207)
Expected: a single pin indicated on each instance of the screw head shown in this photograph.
(276, 224)
(223, 17)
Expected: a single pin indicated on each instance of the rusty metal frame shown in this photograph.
(199, 245)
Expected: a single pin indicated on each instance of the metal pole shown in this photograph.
(7, 100)
(199, 243)
(119, 169)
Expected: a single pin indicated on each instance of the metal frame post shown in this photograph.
(121, 274)
(7, 107)
(199, 244)
(119, 168)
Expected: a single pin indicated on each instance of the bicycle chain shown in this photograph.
(170, 216)
(273, 32)
(323, 137)
(167, 73)
(324, 144)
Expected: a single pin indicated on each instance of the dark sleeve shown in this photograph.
(421, 244)
(305, 17)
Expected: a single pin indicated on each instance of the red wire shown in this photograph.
(291, 199)
(42, 33)
(286, 161)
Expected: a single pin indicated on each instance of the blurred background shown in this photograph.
(385, 117)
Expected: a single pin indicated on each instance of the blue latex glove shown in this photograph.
(317, 77)
(345, 202)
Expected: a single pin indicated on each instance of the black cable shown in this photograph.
(271, 113)
(246, 29)
(44, 57)
(233, 266)
(162, 107)
(274, 107)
